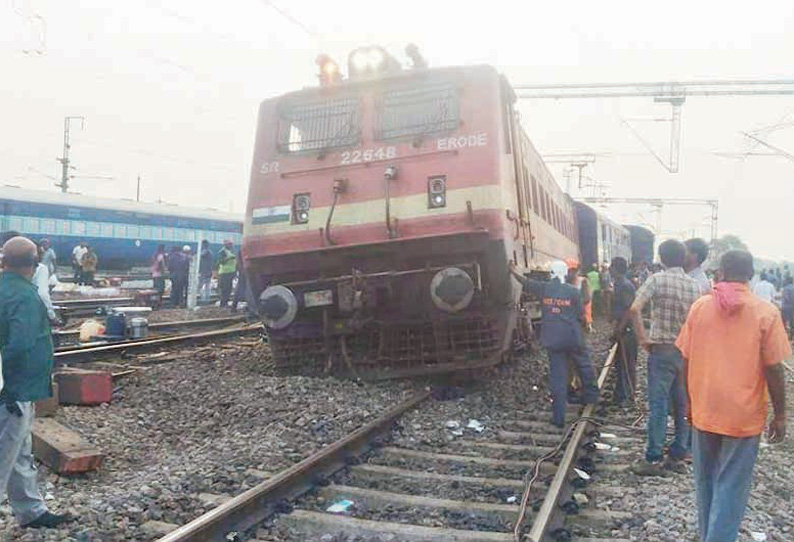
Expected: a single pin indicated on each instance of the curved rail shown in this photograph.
(260, 501)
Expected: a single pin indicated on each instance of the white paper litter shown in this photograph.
(606, 447)
(758, 537)
(339, 507)
(452, 424)
(608, 435)
(512, 499)
(477, 426)
(581, 474)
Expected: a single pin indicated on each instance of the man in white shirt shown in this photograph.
(77, 258)
(765, 289)
(697, 250)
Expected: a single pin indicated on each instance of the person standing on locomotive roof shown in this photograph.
(671, 294)
(561, 335)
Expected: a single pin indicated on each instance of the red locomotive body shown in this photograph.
(382, 214)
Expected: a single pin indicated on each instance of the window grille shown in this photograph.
(425, 110)
(318, 125)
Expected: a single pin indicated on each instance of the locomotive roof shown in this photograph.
(350, 84)
(14, 193)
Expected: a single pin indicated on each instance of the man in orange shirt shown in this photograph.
(733, 344)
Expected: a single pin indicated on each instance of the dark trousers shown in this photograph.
(87, 278)
(558, 379)
(178, 291)
(723, 477)
(626, 363)
(225, 282)
(241, 291)
(78, 272)
(159, 284)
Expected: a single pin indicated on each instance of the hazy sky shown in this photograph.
(170, 91)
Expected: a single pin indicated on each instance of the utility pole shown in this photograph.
(65, 164)
(138, 192)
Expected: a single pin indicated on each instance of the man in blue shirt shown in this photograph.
(26, 349)
(623, 334)
(561, 335)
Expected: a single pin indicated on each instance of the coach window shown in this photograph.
(535, 204)
(93, 229)
(107, 230)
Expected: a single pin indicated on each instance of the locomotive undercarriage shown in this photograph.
(383, 323)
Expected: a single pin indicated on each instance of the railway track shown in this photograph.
(78, 308)
(469, 489)
(74, 334)
(86, 353)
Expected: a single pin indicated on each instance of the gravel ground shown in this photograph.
(665, 509)
(202, 424)
(516, 390)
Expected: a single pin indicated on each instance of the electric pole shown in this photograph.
(65, 164)
(138, 192)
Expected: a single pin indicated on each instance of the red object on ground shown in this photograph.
(63, 450)
(81, 387)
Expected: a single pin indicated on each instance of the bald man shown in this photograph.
(26, 347)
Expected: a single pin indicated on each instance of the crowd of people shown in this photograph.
(715, 349)
(226, 266)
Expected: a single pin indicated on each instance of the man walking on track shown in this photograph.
(671, 293)
(27, 359)
(561, 335)
(623, 334)
(734, 344)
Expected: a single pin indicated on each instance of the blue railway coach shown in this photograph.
(124, 233)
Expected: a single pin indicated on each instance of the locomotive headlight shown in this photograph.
(437, 192)
(360, 60)
(278, 306)
(452, 289)
(301, 203)
(375, 59)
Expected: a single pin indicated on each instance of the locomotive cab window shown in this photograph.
(406, 112)
(318, 125)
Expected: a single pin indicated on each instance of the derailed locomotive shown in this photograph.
(383, 212)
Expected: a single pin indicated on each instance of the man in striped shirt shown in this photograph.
(671, 294)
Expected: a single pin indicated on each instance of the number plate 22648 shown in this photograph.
(320, 298)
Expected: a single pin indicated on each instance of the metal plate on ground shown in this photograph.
(319, 298)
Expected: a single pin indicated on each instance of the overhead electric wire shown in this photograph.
(292, 19)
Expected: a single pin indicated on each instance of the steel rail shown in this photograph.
(548, 517)
(70, 303)
(175, 323)
(259, 502)
(147, 343)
